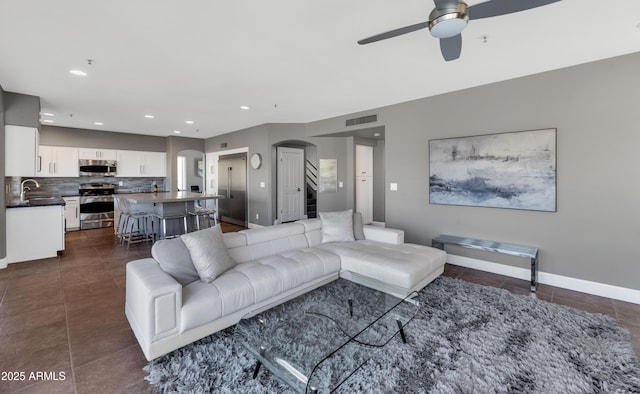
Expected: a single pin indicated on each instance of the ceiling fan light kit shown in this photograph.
(450, 17)
(448, 22)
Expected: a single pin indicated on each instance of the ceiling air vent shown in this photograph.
(223, 145)
(362, 120)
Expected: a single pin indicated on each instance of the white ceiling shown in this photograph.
(288, 60)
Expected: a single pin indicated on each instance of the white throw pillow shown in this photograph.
(337, 226)
(208, 253)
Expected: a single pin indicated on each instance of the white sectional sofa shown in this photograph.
(168, 306)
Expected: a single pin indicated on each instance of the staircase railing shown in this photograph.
(311, 175)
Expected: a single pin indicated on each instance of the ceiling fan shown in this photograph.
(450, 17)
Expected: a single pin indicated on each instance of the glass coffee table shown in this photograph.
(316, 341)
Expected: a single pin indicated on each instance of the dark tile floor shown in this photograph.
(66, 315)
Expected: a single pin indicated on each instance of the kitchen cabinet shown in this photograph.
(34, 232)
(141, 164)
(57, 161)
(97, 154)
(21, 150)
(72, 213)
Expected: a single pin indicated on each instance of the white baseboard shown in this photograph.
(253, 225)
(565, 282)
(3, 263)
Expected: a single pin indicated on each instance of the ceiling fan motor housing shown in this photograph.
(448, 22)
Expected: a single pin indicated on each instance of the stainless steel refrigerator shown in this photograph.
(232, 184)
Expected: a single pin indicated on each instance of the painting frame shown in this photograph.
(328, 175)
(509, 170)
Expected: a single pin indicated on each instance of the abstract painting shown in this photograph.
(514, 170)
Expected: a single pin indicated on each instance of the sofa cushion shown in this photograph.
(337, 226)
(401, 265)
(174, 259)
(358, 228)
(208, 252)
(253, 282)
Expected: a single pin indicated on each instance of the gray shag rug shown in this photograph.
(466, 338)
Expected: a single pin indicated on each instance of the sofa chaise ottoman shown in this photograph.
(169, 305)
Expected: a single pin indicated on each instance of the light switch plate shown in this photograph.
(262, 184)
(393, 186)
(340, 185)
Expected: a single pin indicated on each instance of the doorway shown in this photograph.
(232, 184)
(290, 176)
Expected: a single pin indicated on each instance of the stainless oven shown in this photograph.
(96, 205)
(97, 167)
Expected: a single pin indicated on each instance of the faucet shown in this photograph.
(24, 188)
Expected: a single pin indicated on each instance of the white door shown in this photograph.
(364, 198)
(290, 184)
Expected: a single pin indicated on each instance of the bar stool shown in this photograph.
(162, 223)
(128, 220)
(200, 211)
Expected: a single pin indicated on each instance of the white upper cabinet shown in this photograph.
(128, 163)
(154, 164)
(364, 160)
(97, 154)
(141, 164)
(57, 161)
(21, 150)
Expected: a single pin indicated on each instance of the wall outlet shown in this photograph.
(120, 183)
(257, 216)
(393, 186)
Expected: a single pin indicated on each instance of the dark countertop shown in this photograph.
(36, 202)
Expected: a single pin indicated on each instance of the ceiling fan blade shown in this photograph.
(394, 33)
(451, 47)
(503, 7)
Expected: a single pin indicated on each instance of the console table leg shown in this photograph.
(534, 273)
(255, 371)
(404, 339)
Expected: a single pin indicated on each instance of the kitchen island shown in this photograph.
(165, 204)
(35, 228)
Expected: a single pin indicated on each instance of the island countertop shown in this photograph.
(164, 197)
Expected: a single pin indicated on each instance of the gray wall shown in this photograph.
(263, 139)
(593, 234)
(21, 109)
(84, 138)
(3, 217)
(173, 147)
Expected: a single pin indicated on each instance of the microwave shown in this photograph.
(98, 168)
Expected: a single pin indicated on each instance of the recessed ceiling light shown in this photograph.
(47, 120)
(47, 114)
(99, 124)
(188, 121)
(78, 72)
(244, 107)
(177, 131)
(149, 116)
(376, 134)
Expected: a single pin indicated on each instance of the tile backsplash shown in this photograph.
(69, 186)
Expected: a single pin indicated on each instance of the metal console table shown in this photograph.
(530, 252)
